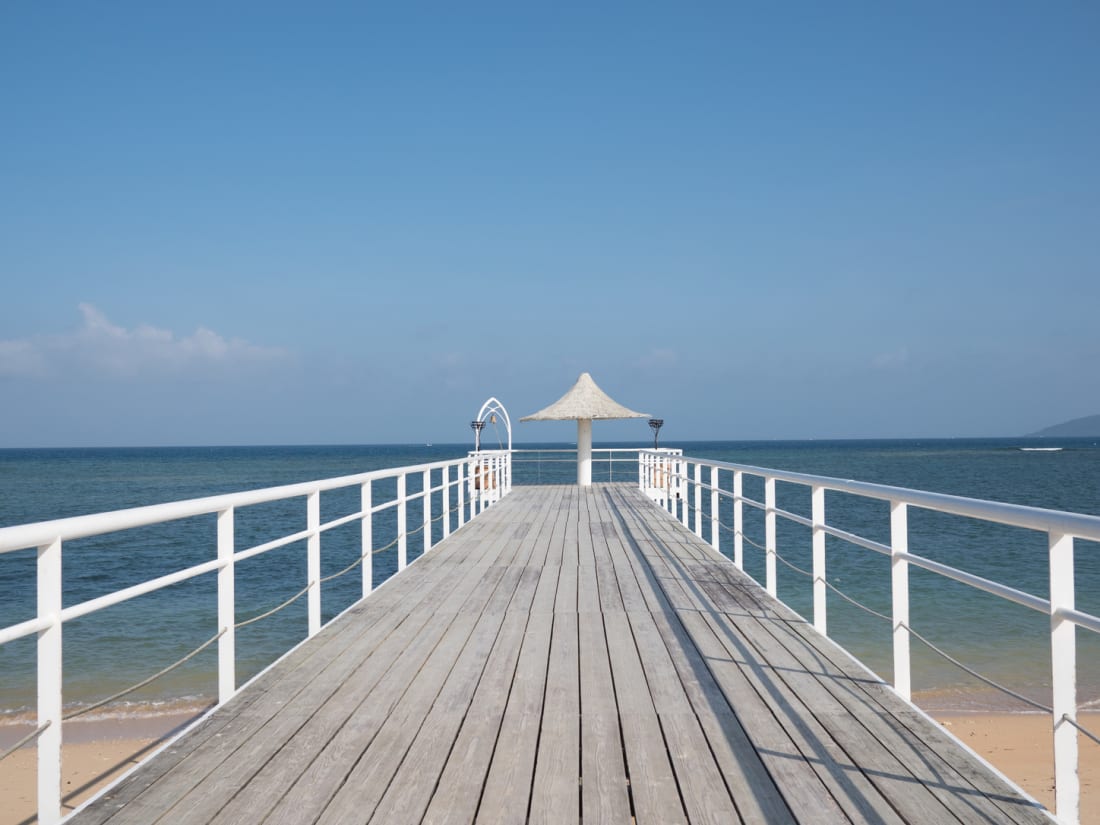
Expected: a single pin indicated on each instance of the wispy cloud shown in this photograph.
(658, 358)
(891, 360)
(20, 357)
(105, 348)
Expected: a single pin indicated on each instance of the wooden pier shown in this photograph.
(573, 654)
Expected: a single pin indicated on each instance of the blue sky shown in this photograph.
(348, 223)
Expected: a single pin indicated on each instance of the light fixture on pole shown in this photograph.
(656, 424)
(477, 425)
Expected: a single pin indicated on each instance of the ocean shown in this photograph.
(126, 643)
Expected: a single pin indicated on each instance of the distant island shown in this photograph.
(1077, 428)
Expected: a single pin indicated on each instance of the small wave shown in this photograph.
(179, 706)
(961, 699)
(1040, 449)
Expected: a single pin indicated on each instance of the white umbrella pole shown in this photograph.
(584, 452)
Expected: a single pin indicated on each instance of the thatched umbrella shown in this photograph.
(585, 403)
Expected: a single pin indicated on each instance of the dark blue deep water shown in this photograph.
(123, 644)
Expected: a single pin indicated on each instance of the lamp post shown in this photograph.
(656, 424)
(477, 426)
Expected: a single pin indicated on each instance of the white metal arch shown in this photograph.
(494, 406)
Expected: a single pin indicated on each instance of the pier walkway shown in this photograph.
(573, 654)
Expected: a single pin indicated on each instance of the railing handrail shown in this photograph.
(661, 474)
(1078, 525)
(573, 450)
(489, 478)
(35, 534)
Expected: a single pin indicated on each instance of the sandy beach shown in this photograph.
(1021, 747)
(97, 752)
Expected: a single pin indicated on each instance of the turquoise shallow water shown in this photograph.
(123, 644)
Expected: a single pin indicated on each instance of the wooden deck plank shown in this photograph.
(815, 780)
(340, 760)
(752, 788)
(412, 777)
(913, 800)
(653, 785)
(506, 791)
(744, 772)
(956, 783)
(235, 720)
(569, 655)
(368, 781)
(507, 788)
(467, 758)
(321, 755)
(701, 783)
(950, 776)
(306, 725)
(555, 794)
(287, 686)
(605, 793)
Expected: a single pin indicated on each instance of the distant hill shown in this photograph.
(1077, 428)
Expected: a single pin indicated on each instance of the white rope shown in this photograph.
(1065, 718)
(918, 636)
(34, 734)
(142, 684)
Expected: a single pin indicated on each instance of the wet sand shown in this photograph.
(97, 752)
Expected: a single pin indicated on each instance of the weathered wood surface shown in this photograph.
(571, 655)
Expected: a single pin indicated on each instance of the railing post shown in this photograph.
(476, 488)
(769, 536)
(738, 520)
(682, 478)
(49, 683)
(445, 499)
(899, 575)
(666, 484)
(461, 493)
(402, 544)
(817, 516)
(488, 474)
(227, 608)
(698, 499)
(427, 510)
(1063, 654)
(714, 535)
(367, 546)
(487, 471)
(313, 560)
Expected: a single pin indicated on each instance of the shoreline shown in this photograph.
(95, 753)
(98, 751)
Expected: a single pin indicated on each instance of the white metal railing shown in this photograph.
(677, 484)
(559, 465)
(490, 474)
(479, 480)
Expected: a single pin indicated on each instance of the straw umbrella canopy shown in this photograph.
(584, 403)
